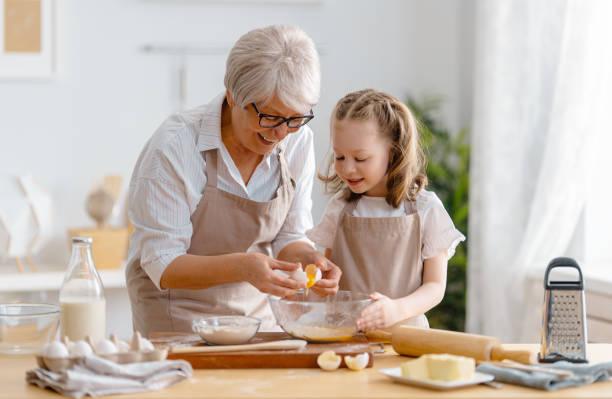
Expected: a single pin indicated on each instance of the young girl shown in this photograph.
(391, 238)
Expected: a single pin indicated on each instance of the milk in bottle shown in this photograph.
(82, 303)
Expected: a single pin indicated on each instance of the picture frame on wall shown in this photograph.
(26, 39)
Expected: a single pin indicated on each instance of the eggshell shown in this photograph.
(43, 350)
(299, 275)
(329, 361)
(318, 275)
(59, 356)
(80, 348)
(56, 349)
(123, 346)
(106, 347)
(69, 346)
(141, 344)
(357, 362)
(146, 345)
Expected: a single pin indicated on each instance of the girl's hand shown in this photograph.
(259, 271)
(330, 277)
(382, 313)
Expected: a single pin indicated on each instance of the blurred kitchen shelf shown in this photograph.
(50, 279)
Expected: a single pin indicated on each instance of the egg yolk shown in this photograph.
(311, 275)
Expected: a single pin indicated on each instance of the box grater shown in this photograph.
(563, 333)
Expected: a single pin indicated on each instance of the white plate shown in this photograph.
(395, 373)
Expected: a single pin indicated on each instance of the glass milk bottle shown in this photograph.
(82, 303)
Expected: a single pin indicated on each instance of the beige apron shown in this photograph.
(223, 223)
(380, 254)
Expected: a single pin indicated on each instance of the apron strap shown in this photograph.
(284, 168)
(210, 157)
(349, 207)
(410, 207)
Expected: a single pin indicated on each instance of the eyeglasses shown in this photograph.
(269, 121)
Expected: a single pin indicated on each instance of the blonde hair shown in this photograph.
(276, 60)
(405, 172)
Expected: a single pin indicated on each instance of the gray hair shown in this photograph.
(276, 60)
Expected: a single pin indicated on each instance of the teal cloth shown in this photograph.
(583, 375)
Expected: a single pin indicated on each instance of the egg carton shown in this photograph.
(57, 356)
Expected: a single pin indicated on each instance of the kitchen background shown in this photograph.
(525, 78)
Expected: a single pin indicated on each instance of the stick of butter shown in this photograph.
(442, 367)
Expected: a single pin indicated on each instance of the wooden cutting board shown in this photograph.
(293, 358)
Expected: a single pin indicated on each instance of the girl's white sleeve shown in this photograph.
(324, 233)
(438, 230)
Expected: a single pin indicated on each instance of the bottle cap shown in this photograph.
(82, 240)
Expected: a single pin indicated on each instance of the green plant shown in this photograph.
(448, 158)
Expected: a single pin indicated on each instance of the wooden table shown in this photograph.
(308, 383)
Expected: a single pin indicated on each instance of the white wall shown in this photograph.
(108, 95)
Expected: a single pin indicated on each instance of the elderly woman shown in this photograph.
(220, 197)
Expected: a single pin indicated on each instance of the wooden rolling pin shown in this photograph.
(415, 341)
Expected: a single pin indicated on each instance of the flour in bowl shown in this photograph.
(226, 330)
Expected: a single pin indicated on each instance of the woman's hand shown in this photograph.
(259, 271)
(383, 313)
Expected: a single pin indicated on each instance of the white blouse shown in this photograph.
(170, 176)
(437, 229)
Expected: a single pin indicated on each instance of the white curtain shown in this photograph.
(541, 91)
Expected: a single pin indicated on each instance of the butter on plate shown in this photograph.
(441, 367)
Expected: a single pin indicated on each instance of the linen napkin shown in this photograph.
(583, 375)
(95, 376)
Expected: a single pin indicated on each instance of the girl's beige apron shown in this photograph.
(380, 254)
(223, 223)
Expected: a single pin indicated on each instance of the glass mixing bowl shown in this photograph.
(315, 319)
(26, 327)
(226, 330)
